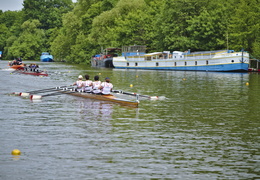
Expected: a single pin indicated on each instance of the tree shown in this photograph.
(30, 42)
(126, 24)
(48, 12)
(244, 25)
(67, 35)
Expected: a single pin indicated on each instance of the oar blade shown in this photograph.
(154, 97)
(16, 93)
(35, 97)
(25, 94)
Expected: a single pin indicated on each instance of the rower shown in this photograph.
(106, 87)
(80, 84)
(88, 84)
(96, 85)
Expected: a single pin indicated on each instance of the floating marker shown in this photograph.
(247, 83)
(154, 97)
(184, 79)
(131, 85)
(16, 152)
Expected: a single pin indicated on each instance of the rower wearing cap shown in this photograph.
(96, 85)
(79, 83)
(106, 87)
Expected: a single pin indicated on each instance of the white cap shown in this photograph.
(80, 77)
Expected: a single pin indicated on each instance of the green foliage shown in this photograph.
(48, 12)
(123, 25)
(244, 25)
(30, 42)
(3, 35)
(75, 32)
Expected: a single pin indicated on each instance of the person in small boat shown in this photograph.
(36, 68)
(96, 84)
(80, 84)
(25, 68)
(19, 60)
(106, 87)
(32, 67)
(88, 84)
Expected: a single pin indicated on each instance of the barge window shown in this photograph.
(136, 64)
(196, 63)
(185, 63)
(207, 62)
(175, 63)
(157, 64)
(232, 61)
(127, 64)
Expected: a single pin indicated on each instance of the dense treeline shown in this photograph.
(76, 31)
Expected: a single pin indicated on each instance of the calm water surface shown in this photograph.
(207, 127)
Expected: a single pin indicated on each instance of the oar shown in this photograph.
(135, 94)
(26, 94)
(15, 71)
(49, 89)
(36, 97)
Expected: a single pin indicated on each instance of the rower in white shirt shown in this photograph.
(96, 85)
(88, 84)
(80, 84)
(106, 87)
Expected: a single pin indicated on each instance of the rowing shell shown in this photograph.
(34, 73)
(110, 98)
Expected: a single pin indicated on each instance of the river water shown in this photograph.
(206, 127)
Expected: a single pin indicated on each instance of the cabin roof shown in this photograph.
(153, 54)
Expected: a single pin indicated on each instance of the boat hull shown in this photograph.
(107, 63)
(46, 59)
(17, 66)
(41, 73)
(217, 61)
(110, 98)
(221, 67)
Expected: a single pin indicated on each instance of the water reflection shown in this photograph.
(99, 109)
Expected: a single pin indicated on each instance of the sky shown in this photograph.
(13, 5)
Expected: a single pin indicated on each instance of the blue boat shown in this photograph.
(46, 57)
